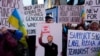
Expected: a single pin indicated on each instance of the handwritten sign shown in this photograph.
(83, 43)
(70, 14)
(33, 14)
(6, 8)
(45, 29)
(92, 8)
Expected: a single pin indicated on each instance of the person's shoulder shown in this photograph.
(54, 44)
(45, 43)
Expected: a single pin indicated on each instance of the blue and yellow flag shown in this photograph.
(16, 21)
(82, 14)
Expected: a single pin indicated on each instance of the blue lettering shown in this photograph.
(78, 51)
(80, 35)
(89, 33)
(99, 43)
(95, 49)
(72, 43)
(72, 35)
(93, 35)
(88, 43)
(85, 36)
(96, 36)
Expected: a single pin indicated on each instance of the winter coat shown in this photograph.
(7, 44)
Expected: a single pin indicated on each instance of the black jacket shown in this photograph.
(50, 50)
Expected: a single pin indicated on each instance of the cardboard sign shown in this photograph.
(6, 8)
(83, 43)
(69, 14)
(49, 29)
(33, 14)
(92, 9)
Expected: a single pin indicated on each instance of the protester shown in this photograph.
(94, 26)
(16, 33)
(49, 19)
(65, 29)
(51, 49)
(20, 49)
(7, 43)
(80, 27)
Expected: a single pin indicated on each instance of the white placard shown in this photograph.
(83, 43)
(92, 9)
(69, 14)
(6, 8)
(49, 29)
(34, 14)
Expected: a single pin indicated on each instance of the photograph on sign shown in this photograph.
(49, 40)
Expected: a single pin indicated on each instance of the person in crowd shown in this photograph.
(16, 33)
(49, 19)
(80, 27)
(83, 24)
(7, 43)
(94, 26)
(51, 49)
(64, 39)
(72, 28)
(65, 29)
(20, 49)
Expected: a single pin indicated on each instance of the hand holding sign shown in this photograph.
(41, 35)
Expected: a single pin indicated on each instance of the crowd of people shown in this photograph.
(11, 46)
(91, 26)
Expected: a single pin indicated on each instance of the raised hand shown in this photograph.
(41, 34)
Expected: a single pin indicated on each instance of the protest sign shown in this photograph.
(47, 30)
(33, 14)
(83, 43)
(69, 14)
(92, 9)
(6, 8)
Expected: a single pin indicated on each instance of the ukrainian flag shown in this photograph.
(15, 21)
(83, 14)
